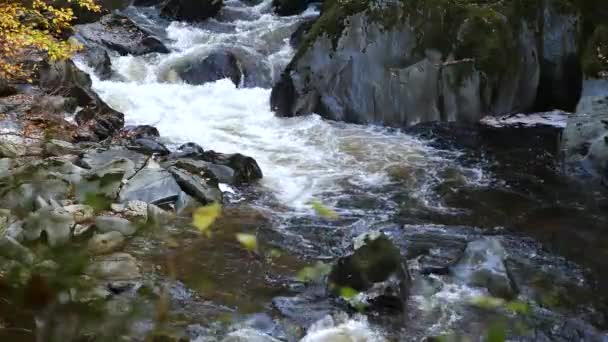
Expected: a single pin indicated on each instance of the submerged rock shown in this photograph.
(192, 10)
(375, 271)
(483, 264)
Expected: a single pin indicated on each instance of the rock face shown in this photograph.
(404, 62)
(119, 33)
(376, 271)
(191, 10)
(585, 138)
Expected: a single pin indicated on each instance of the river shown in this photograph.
(420, 192)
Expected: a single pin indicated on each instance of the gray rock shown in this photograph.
(81, 230)
(422, 68)
(375, 270)
(12, 249)
(6, 164)
(151, 185)
(97, 160)
(56, 147)
(12, 146)
(158, 216)
(57, 223)
(106, 243)
(483, 265)
(15, 231)
(246, 169)
(215, 66)
(98, 59)
(117, 266)
(223, 173)
(107, 224)
(106, 180)
(185, 203)
(585, 138)
(203, 188)
(134, 210)
(119, 33)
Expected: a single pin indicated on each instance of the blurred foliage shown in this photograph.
(323, 211)
(36, 25)
(247, 241)
(203, 217)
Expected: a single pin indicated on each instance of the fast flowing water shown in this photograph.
(369, 175)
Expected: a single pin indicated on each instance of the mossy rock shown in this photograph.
(595, 55)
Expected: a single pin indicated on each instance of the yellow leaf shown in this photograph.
(324, 211)
(203, 217)
(348, 292)
(248, 241)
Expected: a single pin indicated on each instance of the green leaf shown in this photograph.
(248, 241)
(314, 273)
(497, 333)
(348, 292)
(486, 302)
(518, 307)
(324, 211)
(203, 217)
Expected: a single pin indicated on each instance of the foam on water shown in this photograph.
(301, 158)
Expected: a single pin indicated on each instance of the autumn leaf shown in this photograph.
(203, 217)
(248, 241)
(324, 211)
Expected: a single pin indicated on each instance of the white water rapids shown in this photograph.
(302, 158)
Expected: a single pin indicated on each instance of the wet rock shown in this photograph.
(98, 59)
(202, 187)
(192, 10)
(147, 3)
(151, 185)
(65, 79)
(289, 7)
(148, 146)
(80, 212)
(117, 266)
(56, 147)
(119, 33)
(12, 249)
(483, 265)
(215, 66)
(248, 335)
(188, 150)
(106, 243)
(585, 138)
(107, 224)
(140, 132)
(246, 169)
(56, 223)
(299, 34)
(224, 174)
(376, 271)
(5, 88)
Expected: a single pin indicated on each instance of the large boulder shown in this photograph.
(119, 33)
(585, 138)
(192, 10)
(215, 66)
(375, 271)
(405, 62)
(65, 79)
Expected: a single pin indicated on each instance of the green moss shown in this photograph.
(595, 55)
(469, 29)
